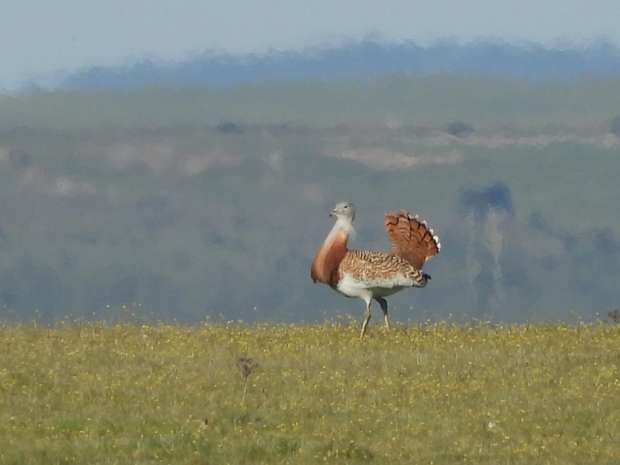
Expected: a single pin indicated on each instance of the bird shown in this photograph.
(375, 275)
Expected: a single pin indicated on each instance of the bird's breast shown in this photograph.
(325, 265)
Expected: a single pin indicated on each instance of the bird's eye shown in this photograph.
(346, 206)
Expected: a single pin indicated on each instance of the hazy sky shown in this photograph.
(39, 39)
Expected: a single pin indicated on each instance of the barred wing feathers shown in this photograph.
(380, 269)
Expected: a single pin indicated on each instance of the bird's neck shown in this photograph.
(342, 228)
(331, 253)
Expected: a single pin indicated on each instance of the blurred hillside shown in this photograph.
(367, 59)
(186, 204)
(504, 105)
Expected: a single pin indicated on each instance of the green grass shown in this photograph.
(440, 394)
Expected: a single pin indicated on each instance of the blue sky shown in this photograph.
(40, 40)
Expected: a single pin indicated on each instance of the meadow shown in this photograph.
(431, 393)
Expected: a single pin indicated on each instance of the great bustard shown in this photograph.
(371, 274)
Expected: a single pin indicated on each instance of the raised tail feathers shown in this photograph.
(411, 238)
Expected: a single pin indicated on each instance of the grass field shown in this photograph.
(428, 394)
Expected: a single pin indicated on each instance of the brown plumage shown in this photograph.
(372, 274)
(325, 265)
(375, 266)
(411, 238)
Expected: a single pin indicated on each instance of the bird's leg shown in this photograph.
(384, 306)
(366, 318)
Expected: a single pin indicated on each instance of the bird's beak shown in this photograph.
(332, 213)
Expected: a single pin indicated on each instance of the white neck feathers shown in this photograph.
(342, 225)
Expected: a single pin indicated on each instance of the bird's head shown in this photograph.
(344, 211)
